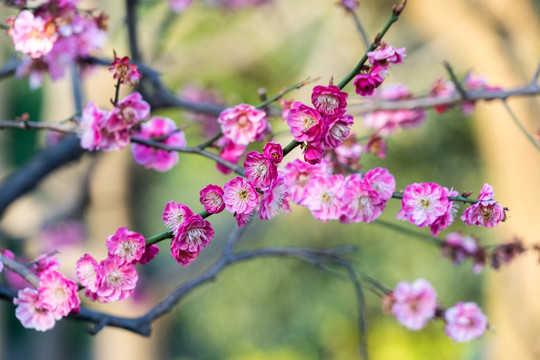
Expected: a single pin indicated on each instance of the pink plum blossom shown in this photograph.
(183, 257)
(386, 55)
(194, 234)
(260, 170)
(360, 201)
(125, 246)
(423, 203)
(487, 212)
(154, 158)
(465, 321)
(117, 282)
(44, 263)
(150, 252)
(231, 152)
(366, 83)
(90, 126)
(336, 131)
(445, 220)
(349, 152)
(127, 113)
(175, 214)
(306, 123)
(87, 273)
(274, 199)
(297, 177)
(273, 151)
(32, 312)
(329, 100)
(240, 196)
(125, 72)
(381, 181)
(211, 197)
(414, 304)
(31, 34)
(243, 123)
(324, 197)
(58, 293)
(313, 153)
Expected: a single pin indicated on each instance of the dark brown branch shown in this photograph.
(45, 162)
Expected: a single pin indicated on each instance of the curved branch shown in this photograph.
(41, 165)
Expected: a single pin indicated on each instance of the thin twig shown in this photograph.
(20, 269)
(455, 80)
(359, 27)
(520, 125)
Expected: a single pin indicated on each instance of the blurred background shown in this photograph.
(284, 308)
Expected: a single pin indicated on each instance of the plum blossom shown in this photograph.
(414, 304)
(240, 196)
(32, 35)
(87, 273)
(274, 199)
(260, 170)
(125, 246)
(231, 152)
(329, 100)
(175, 214)
(386, 55)
(58, 293)
(273, 151)
(487, 212)
(154, 158)
(125, 72)
(32, 312)
(365, 83)
(194, 234)
(324, 197)
(183, 257)
(306, 123)
(337, 130)
(445, 220)
(211, 197)
(44, 263)
(243, 123)
(116, 282)
(297, 177)
(150, 252)
(442, 89)
(423, 203)
(465, 321)
(360, 201)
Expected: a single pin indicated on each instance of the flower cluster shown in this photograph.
(324, 127)
(458, 247)
(53, 36)
(414, 304)
(371, 77)
(115, 278)
(191, 233)
(112, 130)
(350, 199)
(55, 297)
(162, 130)
(427, 204)
(386, 122)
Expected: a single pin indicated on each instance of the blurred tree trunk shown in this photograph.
(500, 39)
